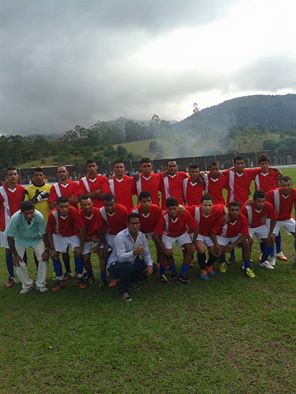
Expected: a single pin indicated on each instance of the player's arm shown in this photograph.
(16, 259)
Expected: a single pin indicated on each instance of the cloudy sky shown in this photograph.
(68, 62)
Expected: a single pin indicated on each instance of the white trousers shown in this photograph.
(22, 270)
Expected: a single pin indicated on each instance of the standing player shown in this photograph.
(148, 181)
(122, 186)
(11, 196)
(38, 192)
(193, 186)
(175, 226)
(65, 228)
(172, 183)
(93, 184)
(231, 233)
(283, 200)
(261, 218)
(207, 215)
(215, 182)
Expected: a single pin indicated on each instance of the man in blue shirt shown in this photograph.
(26, 229)
(130, 260)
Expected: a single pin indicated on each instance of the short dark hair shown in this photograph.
(168, 161)
(117, 162)
(286, 178)
(145, 160)
(84, 197)
(89, 161)
(237, 158)
(213, 164)
(234, 204)
(27, 206)
(62, 200)
(171, 202)
(11, 169)
(133, 215)
(263, 158)
(206, 197)
(195, 166)
(38, 169)
(108, 197)
(258, 194)
(144, 195)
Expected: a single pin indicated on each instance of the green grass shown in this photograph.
(228, 335)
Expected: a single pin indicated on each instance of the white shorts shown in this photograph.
(88, 247)
(110, 239)
(289, 225)
(260, 232)
(223, 241)
(3, 240)
(181, 240)
(206, 240)
(61, 243)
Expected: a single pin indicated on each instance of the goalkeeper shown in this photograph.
(38, 192)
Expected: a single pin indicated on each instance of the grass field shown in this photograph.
(228, 335)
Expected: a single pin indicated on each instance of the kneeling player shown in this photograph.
(262, 218)
(65, 228)
(174, 226)
(232, 233)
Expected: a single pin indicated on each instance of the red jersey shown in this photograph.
(258, 218)
(123, 190)
(10, 202)
(206, 223)
(92, 223)
(151, 184)
(115, 222)
(268, 181)
(183, 223)
(66, 226)
(87, 185)
(192, 191)
(148, 221)
(172, 186)
(238, 185)
(232, 229)
(70, 189)
(282, 204)
(215, 186)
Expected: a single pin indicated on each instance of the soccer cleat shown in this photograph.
(280, 256)
(113, 283)
(25, 291)
(272, 261)
(126, 297)
(223, 267)
(183, 279)
(68, 275)
(41, 289)
(60, 285)
(211, 271)
(163, 279)
(250, 273)
(266, 265)
(81, 284)
(10, 283)
(203, 274)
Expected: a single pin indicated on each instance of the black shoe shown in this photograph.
(183, 279)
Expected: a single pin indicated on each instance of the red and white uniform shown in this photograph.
(114, 222)
(68, 190)
(151, 184)
(193, 191)
(65, 229)
(238, 185)
(257, 219)
(148, 221)
(268, 181)
(92, 224)
(172, 186)
(175, 229)
(228, 232)
(283, 206)
(123, 190)
(215, 186)
(87, 185)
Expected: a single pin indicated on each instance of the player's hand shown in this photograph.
(53, 254)
(97, 192)
(217, 249)
(229, 248)
(45, 255)
(167, 252)
(16, 260)
(270, 239)
(181, 208)
(78, 251)
(149, 270)
(73, 200)
(138, 250)
(106, 248)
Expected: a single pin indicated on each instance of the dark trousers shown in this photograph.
(127, 273)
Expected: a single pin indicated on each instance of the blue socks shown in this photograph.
(184, 269)
(161, 269)
(266, 251)
(103, 276)
(57, 266)
(278, 243)
(66, 261)
(78, 264)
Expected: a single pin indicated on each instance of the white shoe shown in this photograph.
(272, 261)
(25, 291)
(266, 265)
(42, 289)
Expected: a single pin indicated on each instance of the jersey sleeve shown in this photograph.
(52, 195)
(159, 228)
(245, 226)
(51, 224)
